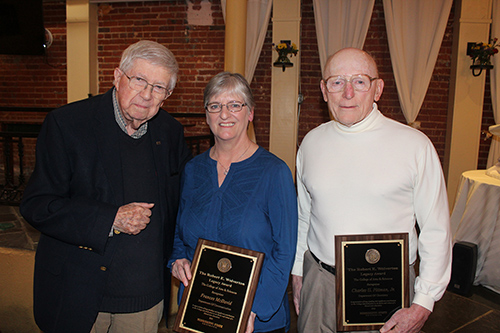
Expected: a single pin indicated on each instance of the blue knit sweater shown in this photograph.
(255, 208)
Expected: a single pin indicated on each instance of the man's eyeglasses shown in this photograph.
(139, 84)
(360, 82)
(231, 106)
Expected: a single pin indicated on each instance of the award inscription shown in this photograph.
(220, 294)
(372, 279)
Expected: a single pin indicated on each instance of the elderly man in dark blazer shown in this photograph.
(104, 195)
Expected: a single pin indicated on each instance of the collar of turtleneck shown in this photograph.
(364, 125)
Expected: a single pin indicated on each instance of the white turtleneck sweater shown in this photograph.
(377, 176)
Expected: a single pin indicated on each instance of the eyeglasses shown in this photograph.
(360, 82)
(231, 106)
(139, 84)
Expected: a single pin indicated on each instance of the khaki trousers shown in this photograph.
(144, 321)
(318, 298)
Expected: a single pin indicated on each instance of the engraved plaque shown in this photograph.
(220, 294)
(371, 279)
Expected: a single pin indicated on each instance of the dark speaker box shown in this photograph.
(463, 268)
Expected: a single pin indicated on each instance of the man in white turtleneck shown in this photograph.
(363, 173)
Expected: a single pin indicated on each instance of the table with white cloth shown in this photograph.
(476, 219)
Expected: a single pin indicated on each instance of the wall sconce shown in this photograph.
(481, 54)
(480, 68)
(285, 49)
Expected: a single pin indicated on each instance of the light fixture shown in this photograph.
(285, 49)
(481, 54)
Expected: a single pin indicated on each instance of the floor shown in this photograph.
(454, 313)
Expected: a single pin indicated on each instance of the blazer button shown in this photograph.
(103, 268)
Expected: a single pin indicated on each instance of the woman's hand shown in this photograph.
(181, 270)
(250, 324)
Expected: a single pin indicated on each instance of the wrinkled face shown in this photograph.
(227, 125)
(350, 106)
(137, 107)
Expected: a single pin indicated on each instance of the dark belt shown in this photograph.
(329, 268)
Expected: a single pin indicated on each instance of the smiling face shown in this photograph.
(227, 125)
(350, 106)
(137, 107)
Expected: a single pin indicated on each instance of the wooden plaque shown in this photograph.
(220, 294)
(372, 279)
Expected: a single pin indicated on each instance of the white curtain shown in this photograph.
(341, 23)
(415, 30)
(495, 85)
(258, 16)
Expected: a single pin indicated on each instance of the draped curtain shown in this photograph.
(258, 16)
(341, 23)
(415, 30)
(495, 85)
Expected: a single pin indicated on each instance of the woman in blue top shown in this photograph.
(239, 194)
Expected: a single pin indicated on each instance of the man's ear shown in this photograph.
(117, 74)
(379, 88)
(322, 86)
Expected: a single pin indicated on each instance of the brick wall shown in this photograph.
(38, 81)
(34, 82)
(199, 49)
(313, 110)
(196, 36)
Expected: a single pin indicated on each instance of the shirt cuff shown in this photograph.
(424, 300)
(113, 231)
(297, 268)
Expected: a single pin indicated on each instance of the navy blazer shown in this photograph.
(72, 198)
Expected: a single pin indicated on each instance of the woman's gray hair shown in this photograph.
(226, 82)
(154, 53)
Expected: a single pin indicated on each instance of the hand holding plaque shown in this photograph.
(181, 270)
(221, 291)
